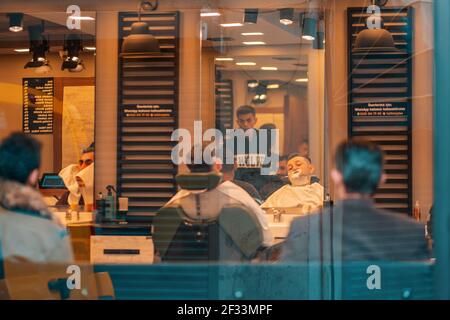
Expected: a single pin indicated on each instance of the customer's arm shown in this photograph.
(295, 247)
(62, 249)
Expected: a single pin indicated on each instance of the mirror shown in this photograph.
(47, 90)
(273, 60)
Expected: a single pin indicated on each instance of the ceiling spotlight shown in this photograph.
(15, 22)
(251, 16)
(319, 41)
(89, 48)
(38, 47)
(309, 28)
(245, 63)
(141, 42)
(303, 80)
(72, 44)
(252, 83)
(287, 16)
(22, 50)
(261, 95)
(375, 40)
(273, 86)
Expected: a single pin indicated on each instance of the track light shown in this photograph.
(287, 16)
(319, 41)
(141, 41)
(261, 95)
(73, 46)
(252, 83)
(251, 16)
(38, 47)
(309, 28)
(15, 22)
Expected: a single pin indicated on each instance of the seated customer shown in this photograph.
(361, 232)
(79, 180)
(228, 175)
(213, 201)
(27, 229)
(300, 193)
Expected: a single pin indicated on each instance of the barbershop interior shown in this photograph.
(224, 150)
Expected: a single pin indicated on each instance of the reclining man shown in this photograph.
(213, 201)
(301, 192)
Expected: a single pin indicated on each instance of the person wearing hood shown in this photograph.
(28, 230)
(79, 180)
(301, 192)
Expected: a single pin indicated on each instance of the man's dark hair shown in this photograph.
(361, 165)
(245, 110)
(91, 148)
(294, 155)
(227, 168)
(201, 167)
(284, 157)
(20, 154)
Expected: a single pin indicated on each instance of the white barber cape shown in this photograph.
(308, 197)
(212, 202)
(69, 175)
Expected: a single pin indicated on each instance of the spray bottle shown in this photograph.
(110, 204)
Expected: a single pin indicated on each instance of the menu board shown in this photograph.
(147, 111)
(380, 109)
(38, 105)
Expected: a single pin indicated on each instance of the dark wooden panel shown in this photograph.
(145, 172)
(385, 77)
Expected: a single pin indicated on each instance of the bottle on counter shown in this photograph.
(100, 207)
(416, 211)
(110, 204)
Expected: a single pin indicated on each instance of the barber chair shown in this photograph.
(235, 235)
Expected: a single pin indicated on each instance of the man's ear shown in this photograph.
(383, 179)
(312, 169)
(337, 177)
(33, 178)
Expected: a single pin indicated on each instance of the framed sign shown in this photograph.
(38, 105)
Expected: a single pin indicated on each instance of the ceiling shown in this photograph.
(55, 30)
(284, 47)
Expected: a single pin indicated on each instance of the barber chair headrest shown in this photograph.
(199, 181)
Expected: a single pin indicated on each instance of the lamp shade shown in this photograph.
(139, 42)
(374, 40)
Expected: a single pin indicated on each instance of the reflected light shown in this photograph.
(210, 14)
(252, 34)
(229, 25)
(81, 18)
(254, 43)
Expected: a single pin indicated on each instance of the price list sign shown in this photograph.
(38, 105)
